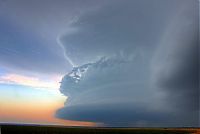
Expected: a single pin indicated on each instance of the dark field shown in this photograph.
(15, 129)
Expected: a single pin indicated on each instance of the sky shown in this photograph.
(140, 61)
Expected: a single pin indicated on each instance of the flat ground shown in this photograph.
(21, 129)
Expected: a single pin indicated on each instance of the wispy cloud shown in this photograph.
(35, 82)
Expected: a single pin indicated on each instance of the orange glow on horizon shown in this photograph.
(37, 111)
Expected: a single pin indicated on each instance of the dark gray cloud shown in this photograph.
(176, 62)
(117, 115)
(118, 26)
(150, 72)
(111, 91)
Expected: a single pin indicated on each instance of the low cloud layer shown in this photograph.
(110, 91)
(149, 73)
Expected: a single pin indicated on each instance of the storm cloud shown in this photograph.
(149, 73)
(117, 27)
(176, 63)
(113, 92)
